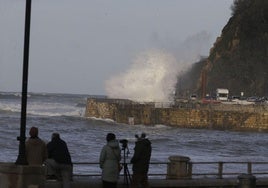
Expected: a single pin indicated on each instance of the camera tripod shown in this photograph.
(127, 176)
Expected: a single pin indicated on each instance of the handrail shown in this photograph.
(218, 169)
(247, 168)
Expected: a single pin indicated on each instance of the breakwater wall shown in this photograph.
(185, 115)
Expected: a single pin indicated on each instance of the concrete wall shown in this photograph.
(216, 116)
(17, 176)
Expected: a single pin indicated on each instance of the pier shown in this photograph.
(179, 171)
(218, 116)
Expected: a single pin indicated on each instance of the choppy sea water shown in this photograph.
(64, 113)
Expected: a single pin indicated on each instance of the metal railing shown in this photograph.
(228, 169)
(90, 169)
(217, 170)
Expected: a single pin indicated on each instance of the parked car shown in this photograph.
(193, 97)
(209, 99)
(252, 99)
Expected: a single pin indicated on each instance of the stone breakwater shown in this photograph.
(184, 115)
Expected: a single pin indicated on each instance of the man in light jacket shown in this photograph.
(109, 161)
(36, 150)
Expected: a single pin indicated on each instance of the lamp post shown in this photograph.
(21, 160)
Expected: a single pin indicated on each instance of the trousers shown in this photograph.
(61, 171)
(140, 180)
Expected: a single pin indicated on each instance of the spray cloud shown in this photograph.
(153, 74)
(151, 78)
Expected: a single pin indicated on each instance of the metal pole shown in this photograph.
(21, 160)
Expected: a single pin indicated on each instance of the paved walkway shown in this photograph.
(161, 183)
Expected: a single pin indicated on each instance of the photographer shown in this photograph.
(140, 161)
(109, 160)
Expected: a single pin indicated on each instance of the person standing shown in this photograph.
(59, 162)
(140, 162)
(36, 150)
(109, 161)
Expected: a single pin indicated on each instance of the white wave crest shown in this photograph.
(151, 78)
(44, 109)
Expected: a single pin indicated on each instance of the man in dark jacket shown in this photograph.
(140, 161)
(59, 161)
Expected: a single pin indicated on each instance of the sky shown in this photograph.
(119, 48)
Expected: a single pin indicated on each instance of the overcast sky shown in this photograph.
(91, 46)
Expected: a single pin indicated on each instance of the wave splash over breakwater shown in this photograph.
(152, 77)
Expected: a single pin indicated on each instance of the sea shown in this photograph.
(85, 137)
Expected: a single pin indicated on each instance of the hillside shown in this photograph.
(239, 58)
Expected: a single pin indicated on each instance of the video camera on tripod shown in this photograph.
(124, 143)
(127, 177)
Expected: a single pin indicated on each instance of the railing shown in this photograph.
(227, 169)
(90, 169)
(217, 170)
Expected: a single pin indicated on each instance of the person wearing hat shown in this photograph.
(109, 161)
(36, 150)
(140, 161)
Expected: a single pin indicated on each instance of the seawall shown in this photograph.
(185, 115)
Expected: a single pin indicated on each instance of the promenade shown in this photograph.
(180, 171)
(164, 183)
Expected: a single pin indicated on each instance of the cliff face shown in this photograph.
(239, 58)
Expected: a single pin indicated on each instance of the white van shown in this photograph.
(222, 94)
